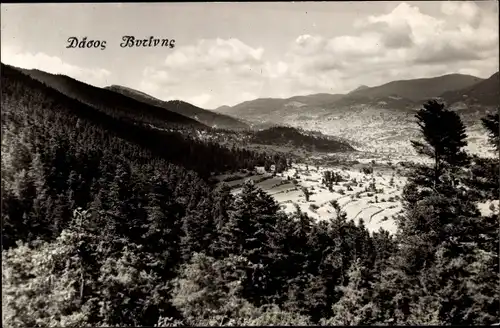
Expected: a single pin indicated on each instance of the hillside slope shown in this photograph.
(45, 111)
(112, 103)
(483, 93)
(361, 87)
(297, 138)
(207, 117)
(259, 110)
(418, 89)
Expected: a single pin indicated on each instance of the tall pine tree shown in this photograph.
(444, 137)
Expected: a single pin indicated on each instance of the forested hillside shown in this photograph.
(111, 103)
(24, 96)
(107, 222)
(65, 152)
(280, 135)
(204, 116)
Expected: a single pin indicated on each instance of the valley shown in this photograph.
(107, 177)
(367, 128)
(309, 164)
(372, 196)
(345, 134)
(381, 118)
(379, 124)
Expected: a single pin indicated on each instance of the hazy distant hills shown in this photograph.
(207, 117)
(380, 117)
(317, 99)
(404, 94)
(264, 110)
(110, 102)
(418, 89)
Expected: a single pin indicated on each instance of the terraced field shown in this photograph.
(373, 197)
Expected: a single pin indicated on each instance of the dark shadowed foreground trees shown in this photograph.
(445, 243)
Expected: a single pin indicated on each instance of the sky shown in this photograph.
(227, 53)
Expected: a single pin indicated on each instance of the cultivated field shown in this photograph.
(375, 197)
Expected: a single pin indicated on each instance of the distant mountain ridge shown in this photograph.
(380, 117)
(401, 94)
(258, 110)
(419, 89)
(367, 116)
(109, 102)
(207, 117)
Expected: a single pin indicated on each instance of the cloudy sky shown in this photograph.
(226, 53)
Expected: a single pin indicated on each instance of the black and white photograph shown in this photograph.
(250, 164)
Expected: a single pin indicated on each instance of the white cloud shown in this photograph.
(464, 34)
(236, 67)
(248, 96)
(157, 76)
(461, 10)
(214, 54)
(54, 65)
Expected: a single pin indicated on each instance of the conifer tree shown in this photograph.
(208, 291)
(444, 138)
(355, 307)
(491, 124)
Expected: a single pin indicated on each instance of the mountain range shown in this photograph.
(398, 95)
(150, 122)
(418, 89)
(380, 117)
(110, 102)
